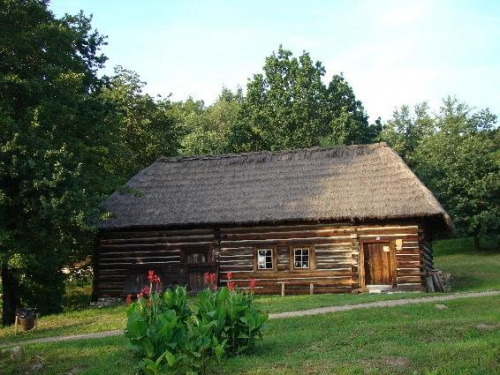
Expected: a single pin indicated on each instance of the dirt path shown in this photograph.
(284, 315)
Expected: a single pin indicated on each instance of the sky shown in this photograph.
(391, 52)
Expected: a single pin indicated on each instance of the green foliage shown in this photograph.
(290, 107)
(237, 321)
(56, 140)
(146, 128)
(205, 128)
(169, 337)
(455, 153)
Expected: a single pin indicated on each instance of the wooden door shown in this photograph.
(197, 265)
(196, 282)
(379, 264)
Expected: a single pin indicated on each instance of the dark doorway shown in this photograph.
(379, 264)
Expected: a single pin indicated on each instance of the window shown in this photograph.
(301, 257)
(197, 257)
(265, 259)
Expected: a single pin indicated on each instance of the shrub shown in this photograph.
(169, 337)
(237, 321)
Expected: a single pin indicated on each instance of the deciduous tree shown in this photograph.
(56, 140)
(289, 106)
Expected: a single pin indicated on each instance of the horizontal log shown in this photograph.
(387, 236)
(163, 239)
(152, 233)
(330, 233)
(158, 258)
(298, 274)
(141, 252)
(108, 265)
(409, 279)
(273, 241)
(245, 252)
(408, 251)
(401, 272)
(139, 247)
(285, 228)
(408, 264)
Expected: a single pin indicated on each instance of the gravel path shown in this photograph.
(290, 314)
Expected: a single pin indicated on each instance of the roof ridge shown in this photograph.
(175, 159)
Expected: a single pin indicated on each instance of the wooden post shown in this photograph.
(282, 289)
(311, 288)
(429, 284)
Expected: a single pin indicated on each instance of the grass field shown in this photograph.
(462, 339)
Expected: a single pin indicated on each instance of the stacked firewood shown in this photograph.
(437, 281)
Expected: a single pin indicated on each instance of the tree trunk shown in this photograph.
(477, 243)
(9, 298)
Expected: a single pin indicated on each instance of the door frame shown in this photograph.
(361, 264)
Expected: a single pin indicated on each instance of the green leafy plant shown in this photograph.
(171, 338)
(236, 320)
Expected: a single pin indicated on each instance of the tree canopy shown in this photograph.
(289, 106)
(56, 137)
(456, 154)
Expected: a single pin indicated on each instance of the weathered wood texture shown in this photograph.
(167, 252)
(334, 256)
(334, 262)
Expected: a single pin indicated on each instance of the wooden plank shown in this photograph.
(153, 233)
(162, 239)
(274, 241)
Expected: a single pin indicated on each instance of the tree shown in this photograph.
(146, 128)
(404, 132)
(205, 128)
(290, 107)
(56, 139)
(455, 153)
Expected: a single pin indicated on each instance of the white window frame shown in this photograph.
(301, 249)
(265, 261)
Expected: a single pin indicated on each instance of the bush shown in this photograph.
(238, 322)
(170, 337)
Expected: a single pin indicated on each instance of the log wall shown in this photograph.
(120, 252)
(336, 256)
(334, 251)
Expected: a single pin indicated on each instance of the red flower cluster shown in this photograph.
(229, 275)
(153, 278)
(210, 280)
(129, 300)
(251, 285)
(230, 286)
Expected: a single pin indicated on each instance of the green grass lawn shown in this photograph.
(464, 338)
(471, 270)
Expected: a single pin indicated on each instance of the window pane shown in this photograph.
(301, 258)
(265, 259)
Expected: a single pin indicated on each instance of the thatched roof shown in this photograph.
(341, 184)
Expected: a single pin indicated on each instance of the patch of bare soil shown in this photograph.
(487, 327)
(396, 362)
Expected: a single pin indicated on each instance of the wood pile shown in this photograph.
(437, 281)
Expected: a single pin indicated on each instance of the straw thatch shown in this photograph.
(344, 183)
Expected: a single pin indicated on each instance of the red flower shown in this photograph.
(213, 278)
(230, 286)
(251, 284)
(145, 291)
(206, 277)
(129, 300)
(229, 275)
(151, 275)
(156, 279)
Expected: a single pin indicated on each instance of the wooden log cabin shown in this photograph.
(320, 220)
